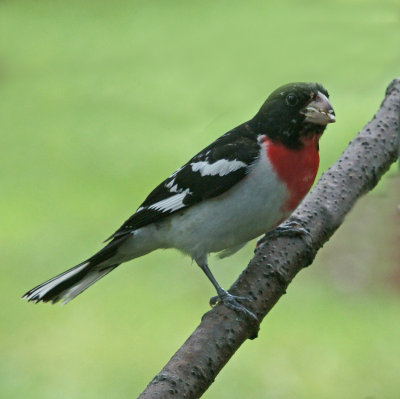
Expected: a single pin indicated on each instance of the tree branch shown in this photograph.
(196, 364)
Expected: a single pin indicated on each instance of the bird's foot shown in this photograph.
(288, 229)
(232, 302)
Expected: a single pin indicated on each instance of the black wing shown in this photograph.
(208, 174)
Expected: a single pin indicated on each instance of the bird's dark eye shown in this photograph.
(292, 100)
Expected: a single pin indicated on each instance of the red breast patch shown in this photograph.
(296, 168)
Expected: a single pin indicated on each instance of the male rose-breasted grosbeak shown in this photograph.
(242, 185)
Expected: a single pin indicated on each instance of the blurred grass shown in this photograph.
(100, 101)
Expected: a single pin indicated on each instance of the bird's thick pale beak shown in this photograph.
(319, 111)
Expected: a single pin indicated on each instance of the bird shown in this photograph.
(244, 184)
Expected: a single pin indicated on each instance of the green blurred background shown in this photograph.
(100, 101)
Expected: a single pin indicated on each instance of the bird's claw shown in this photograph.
(288, 229)
(232, 302)
(215, 299)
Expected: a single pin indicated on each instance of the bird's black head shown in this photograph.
(294, 113)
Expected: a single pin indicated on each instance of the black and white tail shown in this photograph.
(68, 285)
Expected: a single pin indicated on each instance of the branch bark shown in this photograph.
(196, 364)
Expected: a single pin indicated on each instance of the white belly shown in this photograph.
(248, 210)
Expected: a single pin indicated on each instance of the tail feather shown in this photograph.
(81, 286)
(69, 284)
(72, 282)
(43, 290)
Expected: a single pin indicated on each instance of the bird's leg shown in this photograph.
(229, 300)
(287, 229)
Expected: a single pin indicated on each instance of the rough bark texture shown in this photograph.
(196, 364)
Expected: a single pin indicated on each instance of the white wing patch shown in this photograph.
(173, 188)
(171, 204)
(222, 167)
